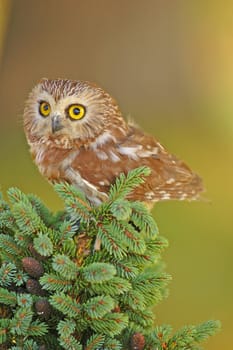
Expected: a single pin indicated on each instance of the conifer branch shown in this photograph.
(95, 342)
(52, 282)
(126, 183)
(58, 292)
(66, 305)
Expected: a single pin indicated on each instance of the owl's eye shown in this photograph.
(76, 112)
(44, 109)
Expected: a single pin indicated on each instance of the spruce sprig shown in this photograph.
(125, 184)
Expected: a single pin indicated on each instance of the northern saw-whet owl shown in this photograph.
(77, 134)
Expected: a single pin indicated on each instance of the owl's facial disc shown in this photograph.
(56, 123)
(69, 111)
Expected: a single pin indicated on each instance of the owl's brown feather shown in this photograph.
(90, 153)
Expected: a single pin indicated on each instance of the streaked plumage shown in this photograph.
(77, 134)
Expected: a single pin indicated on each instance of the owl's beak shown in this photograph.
(56, 123)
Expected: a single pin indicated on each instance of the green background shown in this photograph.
(169, 64)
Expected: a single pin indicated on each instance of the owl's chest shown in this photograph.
(51, 161)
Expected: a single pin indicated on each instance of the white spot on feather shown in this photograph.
(183, 196)
(136, 152)
(129, 151)
(150, 195)
(170, 181)
(101, 155)
(166, 196)
(114, 157)
(102, 139)
(162, 192)
(145, 153)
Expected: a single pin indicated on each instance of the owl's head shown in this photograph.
(67, 111)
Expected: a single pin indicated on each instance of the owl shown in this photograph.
(77, 134)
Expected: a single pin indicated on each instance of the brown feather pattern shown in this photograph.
(90, 153)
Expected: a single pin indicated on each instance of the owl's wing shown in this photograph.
(96, 169)
(170, 177)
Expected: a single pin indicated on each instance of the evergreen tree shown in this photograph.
(58, 292)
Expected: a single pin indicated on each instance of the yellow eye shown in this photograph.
(76, 112)
(44, 108)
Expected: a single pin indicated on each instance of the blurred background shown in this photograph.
(169, 64)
